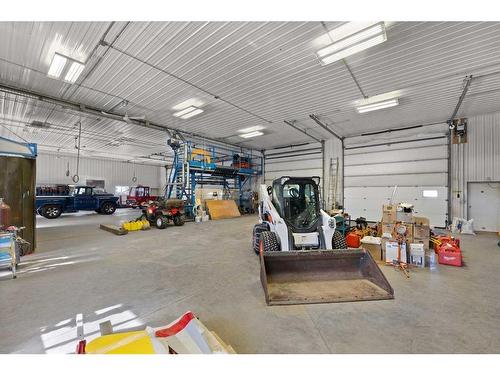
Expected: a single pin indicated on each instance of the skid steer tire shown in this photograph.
(257, 230)
(338, 241)
(269, 241)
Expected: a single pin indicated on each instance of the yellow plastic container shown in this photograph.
(136, 342)
(136, 225)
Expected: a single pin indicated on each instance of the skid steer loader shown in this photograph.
(302, 258)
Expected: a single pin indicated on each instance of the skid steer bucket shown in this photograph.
(299, 277)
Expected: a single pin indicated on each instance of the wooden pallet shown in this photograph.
(119, 231)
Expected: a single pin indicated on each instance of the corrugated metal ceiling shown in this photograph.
(267, 69)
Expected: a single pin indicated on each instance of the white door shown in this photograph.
(484, 205)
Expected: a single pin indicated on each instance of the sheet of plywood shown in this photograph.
(222, 209)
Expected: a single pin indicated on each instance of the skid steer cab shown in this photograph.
(290, 218)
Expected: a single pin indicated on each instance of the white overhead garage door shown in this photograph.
(419, 168)
(295, 161)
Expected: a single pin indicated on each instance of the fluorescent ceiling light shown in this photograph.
(251, 129)
(184, 111)
(251, 134)
(192, 113)
(188, 112)
(74, 72)
(63, 66)
(57, 65)
(193, 102)
(353, 43)
(377, 106)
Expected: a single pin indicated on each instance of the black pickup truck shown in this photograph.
(83, 198)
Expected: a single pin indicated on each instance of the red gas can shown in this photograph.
(352, 240)
(446, 240)
(450, 254)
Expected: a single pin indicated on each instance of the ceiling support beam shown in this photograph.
(215, 96)
(316, 119)
(292, 124)
(79, 107)
(354, 79)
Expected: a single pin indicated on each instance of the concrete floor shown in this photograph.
(153, 277)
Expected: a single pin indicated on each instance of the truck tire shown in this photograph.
(178, 220)
(108, 208)
(257, 230)
(338, 241)
(161, 222)
(51, 212)
(269, 241)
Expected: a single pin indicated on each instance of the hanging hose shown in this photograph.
(76, 177)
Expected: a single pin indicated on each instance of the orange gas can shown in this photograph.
(352, 240)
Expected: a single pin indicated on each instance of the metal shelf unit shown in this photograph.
(209, 165)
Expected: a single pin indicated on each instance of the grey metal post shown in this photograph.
(323, 171)
(343, 175)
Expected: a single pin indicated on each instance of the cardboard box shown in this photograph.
(391, 252)
(374, 250)
(421, 221)
(417, 249)
(389, 208)
(421, 231)
(389, 213)
(405, 217)
(422, 240)
(389, 217)
(409, 229)
(387, 229)
(417, 254)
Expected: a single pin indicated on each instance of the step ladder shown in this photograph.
(333, 178)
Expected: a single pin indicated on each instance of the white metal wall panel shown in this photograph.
(372, 171)
(478, 160)
(429, 179)
(304, 160)
(431, 152)
(51, 169)
(367, 201)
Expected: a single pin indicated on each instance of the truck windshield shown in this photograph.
(300, 203)
(139, 191)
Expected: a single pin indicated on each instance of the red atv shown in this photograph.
(165, 211)
(138, 196)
